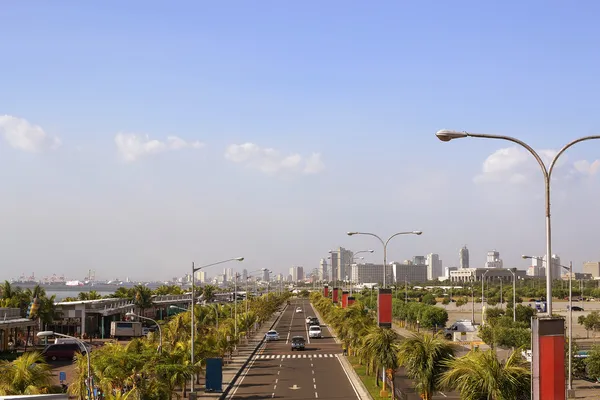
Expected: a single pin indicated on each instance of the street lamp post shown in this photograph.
(570, 371)
(132, 314)
(513, 271)
(447, 135)
(194, 270)
(385, 245)
(482, 295)
(45, 334)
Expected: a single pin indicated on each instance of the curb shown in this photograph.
(355, 381)
(233, 381)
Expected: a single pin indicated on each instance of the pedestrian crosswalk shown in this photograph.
(286, 356)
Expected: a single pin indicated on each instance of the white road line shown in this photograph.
(272, 395)
(248, 368)
(306, 325)
(315, 386)
(316, 395)
(288, 337)
(275, 387)
(314, 380)
(443, 394)
(349, 380)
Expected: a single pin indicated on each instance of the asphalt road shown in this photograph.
(280, 373)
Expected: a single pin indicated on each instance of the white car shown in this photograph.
(314, 331)
(271, 335)
(308, 319)
(298, 309)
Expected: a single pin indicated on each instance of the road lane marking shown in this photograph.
(314, 380)
(315, 386)
(349, 380)
(248, 368)
(316, 395)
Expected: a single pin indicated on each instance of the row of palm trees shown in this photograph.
(138, 370)
(429, 360)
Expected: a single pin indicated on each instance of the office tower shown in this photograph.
(244, 275)
(463, 256)
(265, 276)
(493, 260)
(434, 267)
(323, 273)
(592, 267)
(341, 259)
(419, 260)
(228, 274)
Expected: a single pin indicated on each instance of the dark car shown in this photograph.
(65, 351)
(314, 321)
(576, 308)
(298, 343)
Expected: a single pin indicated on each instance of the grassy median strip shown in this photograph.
(368, 380)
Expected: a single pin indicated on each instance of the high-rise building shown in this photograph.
(408, 273)
(297, 274)
(434, 267)
(555, 268)
(419, 260)
(244, 275)
(265, 276)
(323, 273)
(370, 273)
(228, 274)
(493, 260)
(341, 259)
(201, 276)
(536, 268)
(463, 256)
(592, 267)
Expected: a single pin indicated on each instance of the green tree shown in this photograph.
(429, 299)
(423, 357)
(28, 374)
(480, 375)
(142, 297)
(382, 346)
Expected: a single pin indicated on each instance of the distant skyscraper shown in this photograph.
(434, 267)
(493, 260)
(323, 273)
(201, 276)
(228, 274)
(463, 256)
(265, 276)
(341, 259)
(297, 274)
(244, 275)
(419, 260)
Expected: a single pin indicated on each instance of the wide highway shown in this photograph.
(277, 372)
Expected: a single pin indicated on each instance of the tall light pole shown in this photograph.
(385, 243)
(570, 269)
(194, 270)
(45, 334)
(513, 271)
(132, 314)
(482, 294)
(447, 135)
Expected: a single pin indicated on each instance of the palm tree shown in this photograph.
(423, 357)
(480, 375)
(78, 388)
(142, 297)
(382, 346)
(28, 374)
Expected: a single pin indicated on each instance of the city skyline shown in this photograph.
(195, 133)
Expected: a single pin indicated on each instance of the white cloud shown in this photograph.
(517, 166)
(270, 161)
(133, 147)
(22, 135)
(587, 168)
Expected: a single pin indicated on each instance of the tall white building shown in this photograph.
(265, 275)
(434, 267)
(555, 269)
(419, 260)
(201, 276)
(228, 274)
(493, 260)
(297, 274)
(463, 257)
(323, 272)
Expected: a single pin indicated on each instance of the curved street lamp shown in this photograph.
(134, 315)
(385, 243)
(87, 353)
(446, 135)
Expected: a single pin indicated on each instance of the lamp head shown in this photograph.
(524, 257)
(446, 135)
(417, 232)
(45, 334)
(239, 259)
(130, 314)
(371, 251)
(351, 233)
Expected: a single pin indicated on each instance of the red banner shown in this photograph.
(351, 300)
(326, 291)
(548, 358)
(345, 299)
(335, 295)
(384, 308)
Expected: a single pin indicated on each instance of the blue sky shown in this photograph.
(349, 96)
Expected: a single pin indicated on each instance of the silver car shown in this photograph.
(271, 336)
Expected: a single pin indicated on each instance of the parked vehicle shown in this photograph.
(271, 336)
(64, 351)
(125, 329)
(461, 325)
(576, 308)
(298, 343)
(314, 331)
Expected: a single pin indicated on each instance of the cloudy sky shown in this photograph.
(137, 137)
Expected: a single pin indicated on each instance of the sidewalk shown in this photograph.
(233, 367)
